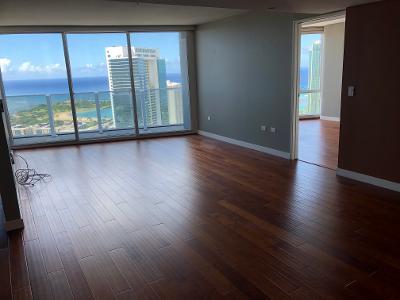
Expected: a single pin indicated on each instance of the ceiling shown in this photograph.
(104, 12)
(149, 12)
(298, 6)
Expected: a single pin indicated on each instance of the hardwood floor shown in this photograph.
(319, 142)
(5, 285)
(191, 217)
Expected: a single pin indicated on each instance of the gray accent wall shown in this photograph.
(332, 70)
(244, 73)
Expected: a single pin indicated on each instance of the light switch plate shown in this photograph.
(350, 91)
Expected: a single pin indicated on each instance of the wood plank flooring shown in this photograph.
(191, 217)
(319, 142)
(5, 283)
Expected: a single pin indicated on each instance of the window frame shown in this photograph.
(189, 89)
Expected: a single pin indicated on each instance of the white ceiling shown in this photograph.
(131, 12)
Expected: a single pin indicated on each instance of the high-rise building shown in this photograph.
(150, 85)
(314, 77)
(175, 103)
(119, 82)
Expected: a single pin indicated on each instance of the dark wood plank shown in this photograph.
(19, 270)
(5, 282)
(319, 142)
(193, 217)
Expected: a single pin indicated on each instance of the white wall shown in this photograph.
(332, 70)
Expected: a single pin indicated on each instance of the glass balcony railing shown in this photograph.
(29, 115)
(159, 107)
(309, 103)
(51, 115)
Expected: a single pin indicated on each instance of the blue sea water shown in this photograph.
(60, 85)
(57, 87)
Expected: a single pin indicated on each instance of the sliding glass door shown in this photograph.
(310, 75)
(36, 88)
(160, 73)
(86, 86)
(102, 84)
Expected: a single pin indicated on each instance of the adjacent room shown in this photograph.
(170, 149)
(320, 86)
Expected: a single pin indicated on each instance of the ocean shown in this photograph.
(57, 87)
(60, 85)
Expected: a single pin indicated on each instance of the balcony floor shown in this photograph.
(24, 141)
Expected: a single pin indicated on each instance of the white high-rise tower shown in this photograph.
(150, 85)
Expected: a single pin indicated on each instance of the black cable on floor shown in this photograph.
(28, 176)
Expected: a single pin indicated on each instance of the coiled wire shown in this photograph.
(27, 176)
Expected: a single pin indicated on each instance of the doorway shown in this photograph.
(318, 73)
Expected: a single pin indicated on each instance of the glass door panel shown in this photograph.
(160, 72)
(102, 84)
(34, 76)
(310, 74)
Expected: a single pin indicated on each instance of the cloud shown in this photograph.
(90, 69)
(28, 67)
(5, 64)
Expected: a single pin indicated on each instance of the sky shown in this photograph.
(306, 44)
(40, 56)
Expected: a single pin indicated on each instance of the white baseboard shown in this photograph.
(394, 186)
(245, 144)
(326, 118)
(14, 225)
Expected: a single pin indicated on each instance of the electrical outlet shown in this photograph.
(272, 129)
(263, 128)
(209, 118)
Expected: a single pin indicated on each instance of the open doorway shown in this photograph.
(318, 91)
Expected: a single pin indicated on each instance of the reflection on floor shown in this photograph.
(89, 135)
(319, 142)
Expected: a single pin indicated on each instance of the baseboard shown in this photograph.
(330, 118)
(14, 225)
(394, 186)
(309, 117)
(263, 149)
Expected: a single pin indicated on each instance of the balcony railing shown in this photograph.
(51, 115)
(309, 103)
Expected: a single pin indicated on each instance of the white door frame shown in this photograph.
(296, 52)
